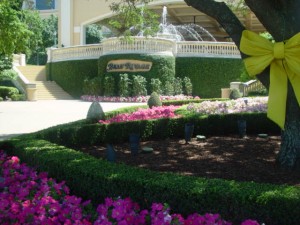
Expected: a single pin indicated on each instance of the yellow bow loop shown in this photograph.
(284, 61)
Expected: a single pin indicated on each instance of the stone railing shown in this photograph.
(208, 49)
(19, 60)
(75, 53)
(142, 45)
(253, 85)
(245, 88)
(138, 45)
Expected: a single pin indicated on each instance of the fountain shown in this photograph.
(185, 32)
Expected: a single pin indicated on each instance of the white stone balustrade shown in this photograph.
(142, 45)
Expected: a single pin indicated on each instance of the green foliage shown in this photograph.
(129, 16)
(177, 84)
(18, 97)
(169, 88)
(235, 94)
(92, 86)
(93, 34)
(206, 77)
(262, 92)
(109, 86)
(156, 85)
(124, 85)
(15, 34)
(70, 75)
(184, 102)
(139, 86)
(154, 100)
(8, 92)
(163, 67)
(95, 112)
(86, 175)
(48, 28)
(8, 75)
(245, 76)
(5, 62)
(187, 86)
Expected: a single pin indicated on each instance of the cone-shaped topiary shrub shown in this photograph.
(154, 100)
(95, 112)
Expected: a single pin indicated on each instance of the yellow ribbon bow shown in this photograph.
(284, 61)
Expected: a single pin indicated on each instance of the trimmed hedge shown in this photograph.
(184, 102)
(96, 179)
(8, 91)
(163, 67)
(71, 74)
(209, 75)
(90, 134)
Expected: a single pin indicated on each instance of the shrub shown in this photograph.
(177, 84)
(154, 100)
(109, 86)
(187, 86)
(86, 175)
(235, 94)
(263, 92)
(169, 88)
(8, 75)
(124, 83)
(95, 112)
(18, 97)
(8, 91)
(139, 86)
(156, 85)
(92, 86)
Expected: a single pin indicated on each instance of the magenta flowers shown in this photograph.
(28, 197)
(144, 114)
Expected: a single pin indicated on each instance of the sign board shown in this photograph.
(130, 65)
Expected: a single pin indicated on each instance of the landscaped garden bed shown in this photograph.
(186, 187)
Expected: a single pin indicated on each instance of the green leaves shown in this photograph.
(133, 17)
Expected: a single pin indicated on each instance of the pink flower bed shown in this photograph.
(28, 197)
(144, 114)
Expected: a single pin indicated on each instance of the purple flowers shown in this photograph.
(258, 104)
(27, 197)
(144, 114)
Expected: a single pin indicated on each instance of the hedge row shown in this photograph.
(90, 134)
(71, 74)
(163, 67)
(209, 75)
(187, 101)
(96, 179)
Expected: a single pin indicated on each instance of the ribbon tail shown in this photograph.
(277, 94)
(295, 81)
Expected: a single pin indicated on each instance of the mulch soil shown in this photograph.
(229, 157)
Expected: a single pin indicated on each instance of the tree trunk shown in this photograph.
(282, 20)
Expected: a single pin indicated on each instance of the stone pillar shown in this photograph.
(225, 92)
(31, 94)
(237, 85)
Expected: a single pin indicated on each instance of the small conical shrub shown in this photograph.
(95, 112)
(235, 94)
(154, 100)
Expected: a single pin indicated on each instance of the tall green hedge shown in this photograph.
(71, 74)
(163, 67)
(209, 75)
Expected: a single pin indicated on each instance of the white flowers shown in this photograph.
(258, 104)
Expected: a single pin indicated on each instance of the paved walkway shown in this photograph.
(26, 117)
